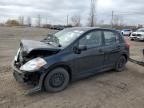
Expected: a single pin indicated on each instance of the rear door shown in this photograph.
(112, 47)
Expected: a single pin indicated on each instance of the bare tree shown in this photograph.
(101, 22)
(12, 23)
(21, 20)
(76, 20)
(117, 20)
(92, 18)
(121, 21)
(46, 20)
(29, 22)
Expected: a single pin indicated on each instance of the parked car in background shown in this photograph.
(126, 32)
(58, 27)
(69, 55)
(55, 27)
(118, 30)
(138, 35)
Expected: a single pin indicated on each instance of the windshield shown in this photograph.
(66, 37)
(140, 30)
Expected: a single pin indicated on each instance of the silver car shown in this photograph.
(138, 35)
(126, 32)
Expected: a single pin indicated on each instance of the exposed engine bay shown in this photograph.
(29, 50)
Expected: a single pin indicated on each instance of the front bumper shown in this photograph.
(21, 77)
(133, 37)
(140, 38)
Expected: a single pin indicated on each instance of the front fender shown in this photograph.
(49, 68)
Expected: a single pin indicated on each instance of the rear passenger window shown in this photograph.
(111, 38)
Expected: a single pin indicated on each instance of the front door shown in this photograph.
(90, 60)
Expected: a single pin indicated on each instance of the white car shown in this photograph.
(138, 35)
(126, 32)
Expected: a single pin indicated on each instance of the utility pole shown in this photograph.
(29, 22)
(112, 19)
(38, 21)
(67, 19)
(93, 13)
(46, 20)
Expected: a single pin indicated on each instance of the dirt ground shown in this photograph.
(107, 90)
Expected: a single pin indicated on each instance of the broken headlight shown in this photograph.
(33, 65)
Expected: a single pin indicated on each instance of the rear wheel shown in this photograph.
(56, 80)
(120, 65)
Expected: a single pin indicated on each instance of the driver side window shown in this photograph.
(92, 39)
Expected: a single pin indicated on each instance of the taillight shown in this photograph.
(127, 44)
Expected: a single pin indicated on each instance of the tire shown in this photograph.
(132, 39)
(57, 80)
(120, 65)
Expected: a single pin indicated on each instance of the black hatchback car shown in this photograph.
(69, 55)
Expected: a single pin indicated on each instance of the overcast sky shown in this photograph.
(55, 11)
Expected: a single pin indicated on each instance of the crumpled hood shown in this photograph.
(30, 45)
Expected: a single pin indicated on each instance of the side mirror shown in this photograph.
(82, 48)
(79, 49)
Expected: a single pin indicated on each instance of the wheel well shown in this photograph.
(66, 68)
(62, 66)
(58, 66)
(126, 57)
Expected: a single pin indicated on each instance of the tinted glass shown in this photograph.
(111, 38)
(92, 39)
(140, 30)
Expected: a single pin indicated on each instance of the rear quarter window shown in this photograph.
(111, 38)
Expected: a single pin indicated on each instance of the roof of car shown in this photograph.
(87, 28)
(141, 29)
(126, 29)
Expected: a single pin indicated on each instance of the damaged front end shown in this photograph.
(28, 64)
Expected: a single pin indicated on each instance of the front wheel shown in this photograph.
(56, 80)
(120, 65)
(132, 39)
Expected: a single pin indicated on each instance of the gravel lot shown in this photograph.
(106, 90)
